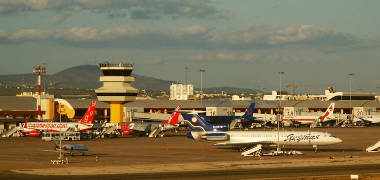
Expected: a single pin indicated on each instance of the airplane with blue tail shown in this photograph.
(200, 123)
(253, 140)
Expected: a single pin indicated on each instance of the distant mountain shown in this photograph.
(87, 77)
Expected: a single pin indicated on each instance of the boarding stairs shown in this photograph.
(254, 151)
(110, 130)
(156, 131)
(235, 124)
(11, 132)
(374, 148)
(316, 123)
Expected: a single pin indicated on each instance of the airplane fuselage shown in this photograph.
(149, 126)
(271, 137)
(287, 120)
(370, 119)
(285, 138)
(54, 126)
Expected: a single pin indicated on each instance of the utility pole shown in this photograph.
(279, 111)
(60, 132)
(186, 68)
(202, 71)
(350, 84)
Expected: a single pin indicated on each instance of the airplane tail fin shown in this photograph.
(174, 117)
(197, 123)
(329, 112)
(88, 118)
(249, 113)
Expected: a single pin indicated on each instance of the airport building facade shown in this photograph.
(15, 110)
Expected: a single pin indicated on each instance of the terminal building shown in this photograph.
(330, 95)
(15, 109)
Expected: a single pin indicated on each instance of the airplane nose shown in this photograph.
(337, 140)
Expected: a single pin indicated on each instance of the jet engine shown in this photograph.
(197, 135)
(217, 136)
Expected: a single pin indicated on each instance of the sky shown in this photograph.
(240, 43)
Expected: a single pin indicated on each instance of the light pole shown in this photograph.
(279, 115)
(60, 132)
(186, 68)
(44, 64)
(202, 71)
(350, 84)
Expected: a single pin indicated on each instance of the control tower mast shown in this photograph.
(117, 89)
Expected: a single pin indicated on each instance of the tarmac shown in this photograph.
(177, 157)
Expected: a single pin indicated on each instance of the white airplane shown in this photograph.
(369, 119)
(152, 129)
(200, 129)
(35, 128)
(308, 120)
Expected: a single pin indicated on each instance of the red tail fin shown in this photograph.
(174, 117)
(329, 111)
(88, 118)
(26, 124)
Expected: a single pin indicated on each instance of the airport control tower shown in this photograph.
(117, 89)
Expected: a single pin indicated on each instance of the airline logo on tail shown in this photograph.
(197, 123)
(249, 113)
(88, 118)
(174, 117)
(329, 111)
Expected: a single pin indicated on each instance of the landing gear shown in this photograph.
(315, 148)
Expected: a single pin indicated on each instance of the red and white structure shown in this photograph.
(39, 70)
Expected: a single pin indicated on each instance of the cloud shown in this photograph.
(30, 35)
(226, 14)
(64, 14)
(248, 58)
(194, 30)
(137, 9)
(267, 36)
(198, 37)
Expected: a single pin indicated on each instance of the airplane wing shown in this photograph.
(366, 120)
(50, 150)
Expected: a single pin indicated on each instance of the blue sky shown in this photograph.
(241, 43)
